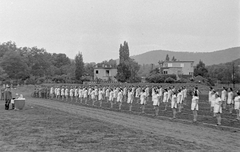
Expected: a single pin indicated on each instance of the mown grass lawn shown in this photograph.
(44, 129)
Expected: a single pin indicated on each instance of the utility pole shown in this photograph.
(233, 75)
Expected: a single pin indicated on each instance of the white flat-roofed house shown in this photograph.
(177, 67)
(105, 72)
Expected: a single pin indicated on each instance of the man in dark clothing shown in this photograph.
(7, 97)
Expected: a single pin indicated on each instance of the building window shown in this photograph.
(190, 73)
(169, 64)
(107, 72)
(96, 71)
(165, 72)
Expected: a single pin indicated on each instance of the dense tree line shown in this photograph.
(32, 65)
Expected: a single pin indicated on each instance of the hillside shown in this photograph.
(224, 71)
(209, 58)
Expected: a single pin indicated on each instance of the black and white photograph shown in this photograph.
(119, 75)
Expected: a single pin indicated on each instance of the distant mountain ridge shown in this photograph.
(209, 58)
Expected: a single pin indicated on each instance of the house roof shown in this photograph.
(104, 66)
(176, 61)
(171, 67)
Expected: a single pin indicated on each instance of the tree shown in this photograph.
(123, 72)
(89, 69)
(201, 70)
(3, 74)
(174, 59)
(60, 60)
(128, 69)
(79, 71)
(123, 52)
(133, 68)
(167, 58)
(39, 61)
(15, 66)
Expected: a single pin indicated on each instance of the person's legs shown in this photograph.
(120, 105)
(7, 102)
(179, 107)
(230, 108)
(218, 119)
(130, 106)
(156, 110)
(166, 105)
(143, 108)
(174, 113)
(194, 115)
(238, 115)
(111, 103)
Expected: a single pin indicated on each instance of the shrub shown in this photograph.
(31, 81)
(182, 80)
(155, 78)
(169, 80)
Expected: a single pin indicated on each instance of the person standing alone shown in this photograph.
(7, 97)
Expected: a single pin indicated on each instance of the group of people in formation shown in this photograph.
(226, 99)
(170, 96)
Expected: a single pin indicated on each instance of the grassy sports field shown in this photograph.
(49, 125)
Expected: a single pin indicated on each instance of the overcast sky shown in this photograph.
(97, 27)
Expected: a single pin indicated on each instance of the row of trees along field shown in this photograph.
(36, 65)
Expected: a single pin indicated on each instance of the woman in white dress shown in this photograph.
(156, 103)
(224, 97)
(210, 98)
(71, 93)
(107, 94)
(218, 108)
(230, 100)
(76, 91)
(100, 97)
(179, 100)
(66, 94)
(111, 94)
(93, 96)
(194, 105)
(165, 99)
(137, 94)
(143, 100)
(120, 99)
(237, 105)
(63, 93)
(130, 99)
(174, 104)
(85, 95)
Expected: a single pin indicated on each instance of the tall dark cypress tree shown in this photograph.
(79, 66)
(126, 51)
(167, 58)
(124, 71)
(121, 58)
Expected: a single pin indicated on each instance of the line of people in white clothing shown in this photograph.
(170, 96)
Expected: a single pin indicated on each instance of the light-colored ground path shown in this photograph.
(214, 139)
